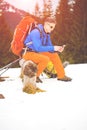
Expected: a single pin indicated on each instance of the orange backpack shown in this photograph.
(20, 33)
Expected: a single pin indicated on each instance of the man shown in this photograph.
(41, 49)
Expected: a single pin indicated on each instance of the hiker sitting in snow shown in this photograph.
(41, 49)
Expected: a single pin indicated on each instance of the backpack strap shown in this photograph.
(35, 26)
(30, 28)
(41, 35)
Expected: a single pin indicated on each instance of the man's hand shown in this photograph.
(59, 48)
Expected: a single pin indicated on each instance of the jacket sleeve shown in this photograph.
(37, 42)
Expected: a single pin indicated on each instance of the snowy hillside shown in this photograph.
(62, 107)
(11, 14)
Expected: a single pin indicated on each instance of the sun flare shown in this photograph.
(24, 4)
(29, 5)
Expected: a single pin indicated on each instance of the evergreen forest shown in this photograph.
(71, 30)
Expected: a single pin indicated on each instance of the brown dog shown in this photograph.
(28, 75)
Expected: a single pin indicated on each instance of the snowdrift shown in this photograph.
(62, 107)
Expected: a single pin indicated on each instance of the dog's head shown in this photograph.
(30, 69)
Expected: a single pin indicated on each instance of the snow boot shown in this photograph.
(65, 78)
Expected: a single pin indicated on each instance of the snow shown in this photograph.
(11, 9)
(62, 107)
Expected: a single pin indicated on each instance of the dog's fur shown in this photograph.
(28, 75)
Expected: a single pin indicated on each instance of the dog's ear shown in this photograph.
(33, 67)
(30, 69)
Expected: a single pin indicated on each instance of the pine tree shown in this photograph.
(71, 29)
(78, 32)
(37, 10)
(47, 9)
(63, 29)
(5, 40)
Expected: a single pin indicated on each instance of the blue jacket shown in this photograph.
(39, 42)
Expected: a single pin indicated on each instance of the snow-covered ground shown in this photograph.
(62, 107)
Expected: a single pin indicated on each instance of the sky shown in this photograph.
(28, 5)
(62, 107)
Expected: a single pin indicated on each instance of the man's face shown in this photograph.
(49, 27)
